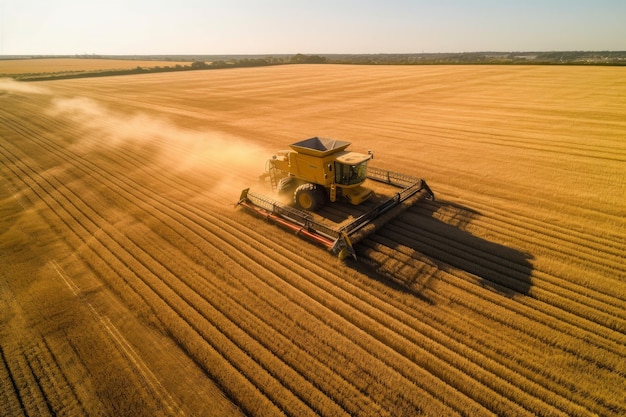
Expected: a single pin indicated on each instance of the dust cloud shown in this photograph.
(226, 161)
(221, 161)
(9, 85)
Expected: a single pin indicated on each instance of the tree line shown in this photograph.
(206, 62)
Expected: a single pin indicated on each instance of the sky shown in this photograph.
(145, 27)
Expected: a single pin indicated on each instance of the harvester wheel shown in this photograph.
(286, 185)
(309, 197)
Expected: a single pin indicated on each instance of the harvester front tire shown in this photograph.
(286, 185)
(309, 197)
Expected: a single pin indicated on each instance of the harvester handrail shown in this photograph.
(389, 177)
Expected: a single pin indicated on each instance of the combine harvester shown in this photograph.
(317, 171)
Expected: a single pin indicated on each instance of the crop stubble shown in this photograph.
(505, 296)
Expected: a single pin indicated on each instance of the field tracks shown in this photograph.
(157, 390)
(15, 195)
(66, 280)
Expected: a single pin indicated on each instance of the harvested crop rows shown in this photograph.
(131, 285)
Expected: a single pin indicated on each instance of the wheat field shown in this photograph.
(12, 67)
(131, 285)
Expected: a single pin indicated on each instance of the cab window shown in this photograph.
(350, 174)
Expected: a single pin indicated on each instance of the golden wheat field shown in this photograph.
(72, 65)
(131, 285)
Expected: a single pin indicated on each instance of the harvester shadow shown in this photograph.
(429, 242)
(417, 287)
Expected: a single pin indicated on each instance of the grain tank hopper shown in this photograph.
(318, 171)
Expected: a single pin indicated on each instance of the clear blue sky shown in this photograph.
(310, 26)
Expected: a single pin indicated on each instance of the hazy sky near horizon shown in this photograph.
(128, 27)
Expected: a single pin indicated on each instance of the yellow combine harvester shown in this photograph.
(317, 171)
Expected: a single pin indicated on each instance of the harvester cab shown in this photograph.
(317, 170)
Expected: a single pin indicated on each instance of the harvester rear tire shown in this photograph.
(309, 197)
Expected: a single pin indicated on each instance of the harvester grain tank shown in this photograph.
(319, 170)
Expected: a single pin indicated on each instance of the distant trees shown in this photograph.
(245, 62)
(307, 59)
